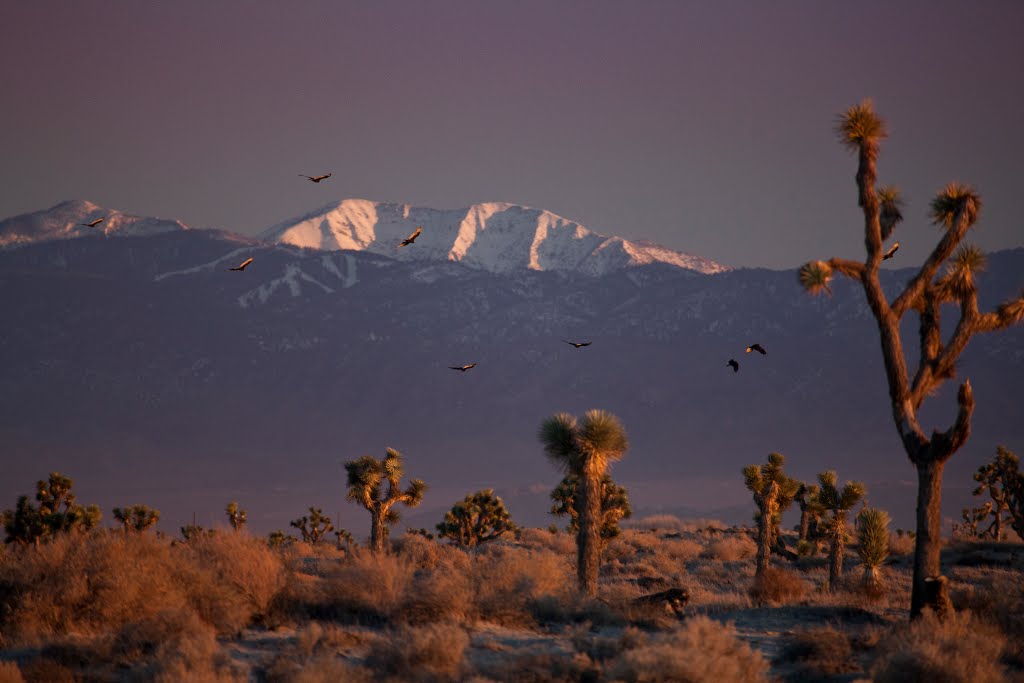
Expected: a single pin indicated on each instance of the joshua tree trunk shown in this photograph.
(871, 576)
(765, 529)
(588, 540)
(835, 559)
(377, 530)
(928, 543)
(805, 523)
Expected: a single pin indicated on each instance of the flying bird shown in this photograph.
(578, 344)
(462, 368)
(758, 348)
(892, 250)
(93, 224)
(734, 365)
(412, 238)
(242, 266)
(316, 178)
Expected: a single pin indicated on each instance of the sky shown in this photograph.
(703, 126)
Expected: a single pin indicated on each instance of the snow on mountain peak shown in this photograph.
(70, 219)
(493, 236)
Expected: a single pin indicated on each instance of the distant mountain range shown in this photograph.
(144, 369)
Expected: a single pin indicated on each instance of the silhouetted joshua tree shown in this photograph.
(839, 502)
(56, 513)
(236, 516)
(614, 505)
(772, 491)
(478, 518)
(314, 526)
(955, 209)
(585, 448)
(993, 477)
(366, 479)
(137, 518)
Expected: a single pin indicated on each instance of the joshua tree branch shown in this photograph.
(851, 269)
(909, 297)
(945, 444)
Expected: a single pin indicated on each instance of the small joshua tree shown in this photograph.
(56, 513)
(236, 516)
(476, 519)
(872, 544)
(137, 518)
(955, 210)
(190, 532)
(614, 505)
(314, 526)
(993, 477)
(277, 539)
(585, 448)
(972, 518)
(839, 502)
(366, 479)
(773, 491)
(810, 512)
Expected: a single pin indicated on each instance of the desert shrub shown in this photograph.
(328, 669)
(443, 593)
(999, 600)
(508, 582)
(423, 653)
(731, 548)
(10, 673)
(682, 549)
(777, 586)
(901, 544)
(313, 657)
(366, 587)
(423, 552)
(559, 542)
(819, 653)
(700, 650)
(239, 578)
(959, 649)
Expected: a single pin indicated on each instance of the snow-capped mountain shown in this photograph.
(496, 237)
(69, 220)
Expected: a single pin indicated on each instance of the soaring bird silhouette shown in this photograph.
(462, 368)
(892, 250)
(242, 266)
(734, 365)
(316, 178)
(412, 238)
(578, 344)
(93, 224)
(758, 348)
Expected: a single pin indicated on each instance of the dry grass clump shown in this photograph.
(778, 587)
(443, 593)
(562, 543)
(960, 649)
(432, 652)
(671, 523)
(10, 673)
(818, 653)
(313, 656)
(700, 650)
(366, 587)
(731, 548)
(509, 583)
(998, 598)
(901, 544)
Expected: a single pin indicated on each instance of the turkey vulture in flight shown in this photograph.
(243, 264)
(892, 250)
(758, 348)
(93, 224)
(734, 365)
(412, 238)
(316, 178)
(462, 368)
(578, 344)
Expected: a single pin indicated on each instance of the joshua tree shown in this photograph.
(585, 448)
(314, 526)
(476, 519)
(810, 511)
(236, 516)
(277, 539)
(872, 544)
(839, 502)
(955, 209)
(366, 477)
(773, 491)
(57, 512)
(993, 478)
(614, 505)
(972, 518)
(190, 532)
(1013, 484)
(137, 518)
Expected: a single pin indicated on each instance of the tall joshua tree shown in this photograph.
(839, 502)
(614, 505)
(955, 209)
(366, 479)
(585, 448)
(773, 491)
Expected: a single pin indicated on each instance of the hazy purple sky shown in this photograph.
(704, 126)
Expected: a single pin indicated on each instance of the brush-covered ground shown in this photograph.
(111, 606)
